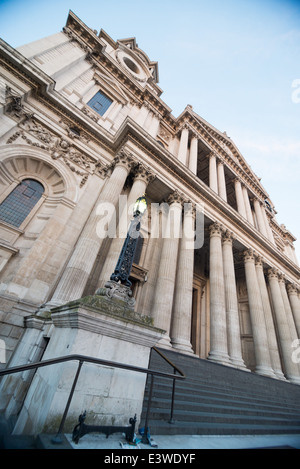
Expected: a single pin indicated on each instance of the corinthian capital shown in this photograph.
(175, 197)
(124, 158)
(143, 172)
(273, 273)
(249, 255)
(228, 237)
(216, 229)
(292, 289)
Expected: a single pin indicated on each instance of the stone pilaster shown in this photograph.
(261, 348)
(291, 368)
(233, 324)
(218, 328)
(183, 295)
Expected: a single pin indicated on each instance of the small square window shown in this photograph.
(100, 103)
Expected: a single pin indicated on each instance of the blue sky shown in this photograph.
(237, 62)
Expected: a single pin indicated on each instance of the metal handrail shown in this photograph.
(175, 368)
(82, 359)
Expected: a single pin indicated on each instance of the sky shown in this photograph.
(237, 62)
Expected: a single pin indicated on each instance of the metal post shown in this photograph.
(58, 439)
(173, 397)
(145, 438)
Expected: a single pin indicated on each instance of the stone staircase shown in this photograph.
(220, 400)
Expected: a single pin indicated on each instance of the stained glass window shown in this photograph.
(19, 203)
(100, 103)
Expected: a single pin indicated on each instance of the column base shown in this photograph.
(294, 379)
(280, 375)
(265, 371)
(219, 357)
(239, 363)
(165, 342)
(182, 346)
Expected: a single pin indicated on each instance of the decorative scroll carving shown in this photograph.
(57, 146)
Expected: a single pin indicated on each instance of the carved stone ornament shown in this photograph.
(292, 289)
(144, 173)
(249, 255)
(115, 290)
(57, 146)
(216, 229)
(175, 197)
(14, 106)
(228, 237)
(125, 158)
(273, 273)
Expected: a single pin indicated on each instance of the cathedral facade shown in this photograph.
(84, 132)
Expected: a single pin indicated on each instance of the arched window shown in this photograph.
(19, 203)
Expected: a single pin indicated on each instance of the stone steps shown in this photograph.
(216, 399)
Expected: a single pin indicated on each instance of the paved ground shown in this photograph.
(98, 441)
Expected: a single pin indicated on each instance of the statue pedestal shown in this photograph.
(101, 326)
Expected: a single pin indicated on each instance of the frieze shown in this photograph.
(58, 148)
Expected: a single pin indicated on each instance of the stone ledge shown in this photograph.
(112, 318)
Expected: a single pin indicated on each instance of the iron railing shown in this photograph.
(85, 359)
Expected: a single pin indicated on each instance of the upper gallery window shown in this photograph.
(19, 203)
(100, 103)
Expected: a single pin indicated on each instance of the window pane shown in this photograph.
(100, 103)
(19, 203)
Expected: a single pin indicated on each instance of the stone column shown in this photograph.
(287, 307)
(291, 369)
(295, 304)
(239, 198)
(165, 283)
(267, 225)
(182, 153)
(193, 154)
(221, 181)
(247, 206)
(261, 348)
(213, 178)
(272, 340)
(233, 323)
(183, 296)
(218, 329)
(142, 177)
(79, 267)
(259, 217)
